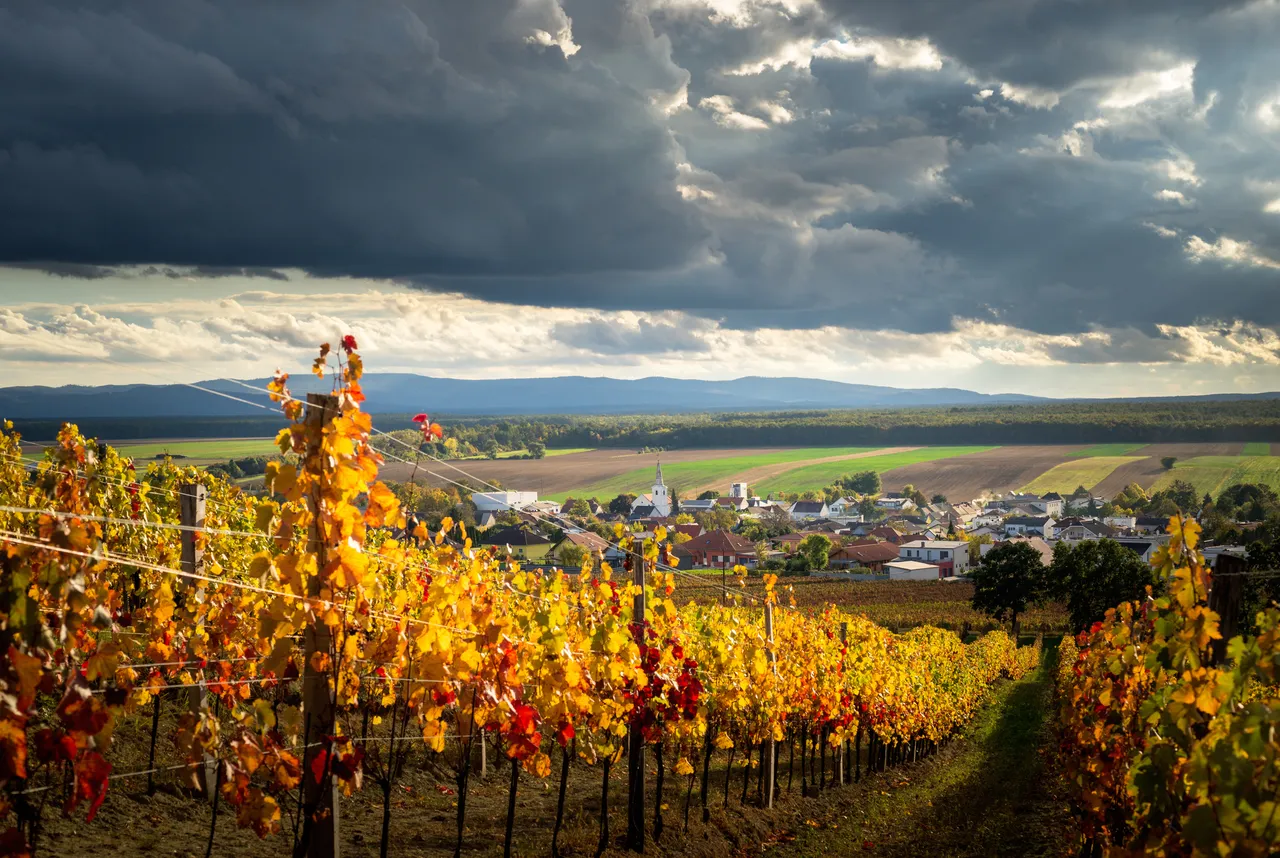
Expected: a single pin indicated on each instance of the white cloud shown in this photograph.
(886, 53)
(777, 114)
(1149, 85)
(1227, 251)
(248, 334)
(1162, 231)
(727, 116)
(1180, 169)
(1171, 196)
(1030, 96)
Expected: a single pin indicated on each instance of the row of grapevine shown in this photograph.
(320, 620)
(1166, 751)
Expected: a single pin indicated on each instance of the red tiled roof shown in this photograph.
(876, 552)
(721, 542)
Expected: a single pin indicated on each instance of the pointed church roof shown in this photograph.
(658, 481)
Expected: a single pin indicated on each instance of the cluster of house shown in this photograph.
(904, 541)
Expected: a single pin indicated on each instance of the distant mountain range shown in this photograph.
(401, 393)
(398, 393)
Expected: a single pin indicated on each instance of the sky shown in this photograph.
(1059, 198)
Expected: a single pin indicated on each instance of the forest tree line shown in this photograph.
(1037, 423)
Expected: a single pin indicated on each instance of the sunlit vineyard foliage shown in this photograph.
(1167, 749)
(415, 636)
(896, 605)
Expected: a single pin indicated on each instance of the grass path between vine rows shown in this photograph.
(988, 793)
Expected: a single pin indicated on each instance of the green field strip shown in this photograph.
(1257, 448)
(1212, 474)
(516, 454)
(1066, 477)
(823, 474)
(202, 451)
(1106, 450)
(681, 476)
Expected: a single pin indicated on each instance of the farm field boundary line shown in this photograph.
(818, 475)
(693, 475)
(1212, 474)
(1108, 450)
(1148, 472)
(1087, 472)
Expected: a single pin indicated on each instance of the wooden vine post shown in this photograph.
(771, 746)
(635, 737)
(844, 743)
(191, 512)
(317, 697)
(1226, 589)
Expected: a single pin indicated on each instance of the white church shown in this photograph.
(657, 504)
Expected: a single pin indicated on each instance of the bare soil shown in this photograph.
(558, 473)
(753, 476)
(1148, 470)
(965, 477)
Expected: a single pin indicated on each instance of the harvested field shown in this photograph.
(823, 473)
(1087, 472)
(1108, 450)
(1212, 474)
(691, 478)
(966, 477)
(1147, 471)
(563, 474)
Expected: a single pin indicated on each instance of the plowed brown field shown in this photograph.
(557, 473)
(965, 477)
(1148, 470)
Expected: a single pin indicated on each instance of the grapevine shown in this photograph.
(446, 643)
(1167, 752)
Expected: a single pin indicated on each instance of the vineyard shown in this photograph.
(897, 605)
(299, 649)
(1168, 729)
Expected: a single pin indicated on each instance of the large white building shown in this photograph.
(912, 570)
(951, 556)
(499, 501)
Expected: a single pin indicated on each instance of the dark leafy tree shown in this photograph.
(709, 494)
(621, 505)
(1009, 580)
(1168, 461)
(1095, 575)
(537, 449)
(817, 549)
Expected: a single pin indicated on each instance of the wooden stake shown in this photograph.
(321, 831)
(191, 504)
(771, 749)
(1226, 589)
(635, 743)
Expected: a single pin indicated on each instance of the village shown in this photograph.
(888, 536)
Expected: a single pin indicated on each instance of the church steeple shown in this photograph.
(661, 501)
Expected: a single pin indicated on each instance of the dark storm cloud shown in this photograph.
(379, 139)
(1019, 161)
(1045, 43)
(610, 336)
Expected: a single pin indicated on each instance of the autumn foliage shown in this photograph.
(1167, 752)
(453, 639)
